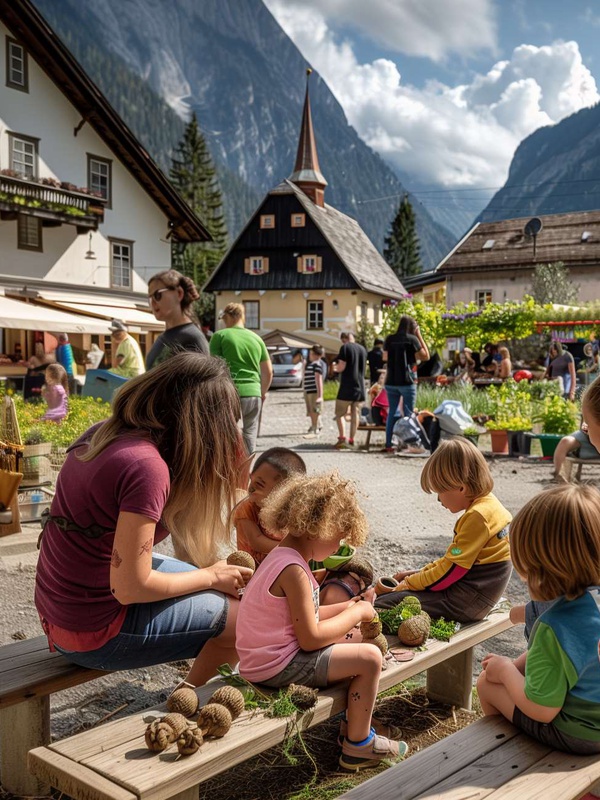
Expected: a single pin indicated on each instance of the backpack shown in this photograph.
(409, 431)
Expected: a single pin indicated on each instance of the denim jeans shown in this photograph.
(166, 630)
(395, 393)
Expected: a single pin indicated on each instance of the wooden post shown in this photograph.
(23, 727)
(452, 681)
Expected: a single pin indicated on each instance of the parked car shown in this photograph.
(286, 374)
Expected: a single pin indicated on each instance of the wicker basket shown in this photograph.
(36, 465)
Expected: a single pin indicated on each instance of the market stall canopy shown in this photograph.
(18, 315)
(109, 308)
(279, 338)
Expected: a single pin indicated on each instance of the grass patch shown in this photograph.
(307, 768)
(330, 390)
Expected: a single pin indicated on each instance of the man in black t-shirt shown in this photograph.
(351, 365)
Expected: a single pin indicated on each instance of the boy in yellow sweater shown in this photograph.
(469, 579)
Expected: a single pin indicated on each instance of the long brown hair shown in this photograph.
(188, 407)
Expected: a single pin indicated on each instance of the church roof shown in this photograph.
(306, 168)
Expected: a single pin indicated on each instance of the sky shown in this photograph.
(445, 90)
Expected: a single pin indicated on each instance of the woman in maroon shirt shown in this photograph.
(168, 460)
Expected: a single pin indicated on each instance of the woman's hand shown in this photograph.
(228, 579)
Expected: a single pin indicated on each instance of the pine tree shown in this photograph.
(194, 175)
(552, 283)
(402, 245)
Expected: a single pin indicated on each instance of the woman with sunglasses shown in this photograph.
(161, 465)
(170, 295)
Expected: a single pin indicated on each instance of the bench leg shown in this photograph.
(578, 473)
(452, 681)
(23, 727)
(368, 440)
(188, 794)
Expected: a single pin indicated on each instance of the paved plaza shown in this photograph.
(408, 528)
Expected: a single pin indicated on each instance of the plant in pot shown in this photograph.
(472, 433)
(498, 430)
(558, 417)
(519, 444)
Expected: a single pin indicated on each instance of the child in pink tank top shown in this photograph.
(283, 636)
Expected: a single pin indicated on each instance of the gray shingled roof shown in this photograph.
(352, 245)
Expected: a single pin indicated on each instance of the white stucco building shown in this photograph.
(86, 216)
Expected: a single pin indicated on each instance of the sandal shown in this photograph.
(377, 750)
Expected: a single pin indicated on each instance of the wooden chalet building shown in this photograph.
(302, 267)
(495, 261)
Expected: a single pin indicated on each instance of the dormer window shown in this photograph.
(267, 221)
(16, 66)
(309, 264)
(298, 220)
(256, 265)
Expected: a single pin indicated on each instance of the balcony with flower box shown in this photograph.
(52, 201)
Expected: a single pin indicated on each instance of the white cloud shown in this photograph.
(459, 136)
(430, 28)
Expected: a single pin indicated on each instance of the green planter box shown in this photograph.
(548, 442)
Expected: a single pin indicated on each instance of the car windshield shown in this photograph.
(281, 358)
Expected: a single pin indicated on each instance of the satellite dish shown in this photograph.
(533, 227)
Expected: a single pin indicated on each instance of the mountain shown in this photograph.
(555, 170)
(231, 62)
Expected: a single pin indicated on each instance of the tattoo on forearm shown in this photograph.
(146, 547)
(116, 559)
(355, 696)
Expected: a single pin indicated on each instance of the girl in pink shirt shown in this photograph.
(55, 392)
(283, 637)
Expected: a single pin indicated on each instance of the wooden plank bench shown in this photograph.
(369, 429)
(29, 674)
(488, 759)
(112, 761)
(571, 462)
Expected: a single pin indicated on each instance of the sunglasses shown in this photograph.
(157, 295)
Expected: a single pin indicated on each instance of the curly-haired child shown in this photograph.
(469, 579)
(552, 691)
(283, 636)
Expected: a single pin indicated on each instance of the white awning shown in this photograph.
(18, 315)
(109, 308)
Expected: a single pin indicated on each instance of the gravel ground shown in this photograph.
(408, 529)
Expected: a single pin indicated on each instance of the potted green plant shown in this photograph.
(558, 417)
(498, 430)
(472, 434)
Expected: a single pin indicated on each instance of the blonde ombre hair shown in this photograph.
(235, 311)
(188, 407)
(457, 462)
(317, 507)
(555, 542)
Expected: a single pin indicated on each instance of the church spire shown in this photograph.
(307, 173)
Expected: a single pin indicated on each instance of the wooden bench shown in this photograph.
(369, 429)
(29, 674)
(488, 759)
(571, 461)
(112, 761)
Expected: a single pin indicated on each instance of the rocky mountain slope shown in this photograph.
(555, 170)
(230, 61)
